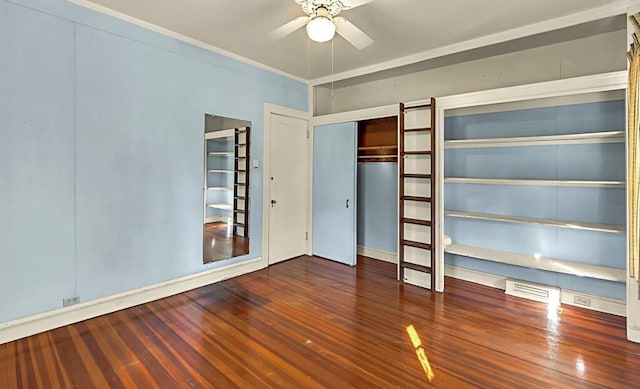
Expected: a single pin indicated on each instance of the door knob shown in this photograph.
(347, 203)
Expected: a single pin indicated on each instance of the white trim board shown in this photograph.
(597, 303)
(354, 116)
(380, 255)
(46, 321)
(195, 42)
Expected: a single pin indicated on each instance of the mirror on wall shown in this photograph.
(226, 188)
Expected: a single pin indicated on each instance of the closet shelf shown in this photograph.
(548, 140)
(540, 263)
(512, 181)
(545, 222)
(223, 188)
(378, 156)
(369, 148)
(223, 206)
(220, 171)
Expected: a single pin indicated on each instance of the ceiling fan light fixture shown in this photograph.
(321, 27)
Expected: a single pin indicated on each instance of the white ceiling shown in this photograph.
(399, 28)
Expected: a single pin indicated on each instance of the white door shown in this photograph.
(287, 188)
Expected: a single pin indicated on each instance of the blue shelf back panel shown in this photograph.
(590, 205)
(378, 206)
(607, 289)
(591, 162)
(567, 119)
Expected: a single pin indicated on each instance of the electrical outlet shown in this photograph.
(581, 300)
(70, 301)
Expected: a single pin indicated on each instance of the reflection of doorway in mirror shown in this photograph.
(226, 188)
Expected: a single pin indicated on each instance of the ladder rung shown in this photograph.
(420, 152)
(417, 129)
(416, 221)
(238, 224)
(416, 176)
(417, 106)
(240, 198)
(238, 211)
(419, 245)
(413, 266)
(416, 198)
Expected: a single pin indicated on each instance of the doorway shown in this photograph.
(286, 184)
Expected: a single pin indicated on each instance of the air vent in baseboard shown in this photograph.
(531, 291)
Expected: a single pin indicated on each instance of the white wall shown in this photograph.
(596, 54)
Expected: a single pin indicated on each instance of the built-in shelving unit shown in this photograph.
(537, 186)
(219, 176)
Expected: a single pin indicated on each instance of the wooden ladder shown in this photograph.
(418, 149)
(241, 188)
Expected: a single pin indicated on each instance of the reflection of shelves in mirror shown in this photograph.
(220, 171)
(509, 181)
(221, 154)
(545, 222)
(221, 188)
(223, 206)
(539, 262)
(547, 140)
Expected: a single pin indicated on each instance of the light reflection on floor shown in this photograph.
(420, 353)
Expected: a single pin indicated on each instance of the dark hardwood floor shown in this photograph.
(219, 242)
(312, 323)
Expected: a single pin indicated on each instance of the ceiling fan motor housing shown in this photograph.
(311, 7)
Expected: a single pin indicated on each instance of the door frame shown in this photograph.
(269, 110)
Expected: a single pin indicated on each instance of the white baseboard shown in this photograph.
(217, 218)
(381, 255)
(46, 321)
(596, 303)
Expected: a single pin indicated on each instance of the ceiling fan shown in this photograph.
(322, 22)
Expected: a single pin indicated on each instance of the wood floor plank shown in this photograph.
(314, 323)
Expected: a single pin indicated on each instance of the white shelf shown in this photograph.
(510, 181)
(549, 140)
(220, 171)
(219, 134)
(223, 206)
(541, 263)
(221, 153)
(223, 188)
(545, 222)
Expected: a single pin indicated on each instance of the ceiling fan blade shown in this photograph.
(352, 34)
(355, 3)
(288, 28)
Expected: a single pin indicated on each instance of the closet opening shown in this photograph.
(377, 192)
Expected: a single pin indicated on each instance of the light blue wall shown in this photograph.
(378, 205)
(566, 162)
(102, 147)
